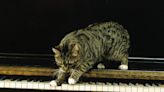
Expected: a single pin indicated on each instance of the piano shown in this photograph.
(41, 82)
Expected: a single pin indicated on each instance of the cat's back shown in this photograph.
(98, 31)
(103, 31)
(113, 29)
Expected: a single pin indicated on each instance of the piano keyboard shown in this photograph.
(102, 87)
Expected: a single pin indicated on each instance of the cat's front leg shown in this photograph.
(60, 76)
(78, 72)
(74, 77)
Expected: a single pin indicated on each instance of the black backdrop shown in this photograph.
(34, 26)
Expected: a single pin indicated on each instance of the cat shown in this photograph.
(79, 50)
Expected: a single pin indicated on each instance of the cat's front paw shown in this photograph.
(71, 81)
(53, 83)
(123, 67)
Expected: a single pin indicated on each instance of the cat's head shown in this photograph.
(67, 55)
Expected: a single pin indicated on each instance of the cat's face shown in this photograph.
(66, 57)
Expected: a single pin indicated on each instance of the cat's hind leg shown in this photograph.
(101, 66)
(122, 58)
(124, 63)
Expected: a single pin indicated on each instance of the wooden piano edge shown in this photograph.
(95, 73)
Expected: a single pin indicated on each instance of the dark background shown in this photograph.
(34, 26)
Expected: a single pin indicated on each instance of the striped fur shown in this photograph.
(79, 50)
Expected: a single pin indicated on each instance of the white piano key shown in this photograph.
(110, 87)
(140, 88)
(76, 87)
(48, 87)
(64, 86)
(134, 89)
(161, 89)
(2, 84)
(93, 87)
(116, 87)
(35, 85)
(12, 84)
(24, 84)
(128, 89)
(70, 87)
(99, 87)
(57, 87)
(81, 87)
(105, 88)
(18, 84)
(157, 89)
(122, 88)
(151, 89)
(41, 85)
(30, 85)
(87, 87)
(7, 83)
(146, 89)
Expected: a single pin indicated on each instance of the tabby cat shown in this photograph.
(79, 50)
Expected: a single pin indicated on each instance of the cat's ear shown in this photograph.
(75, 50)
(56, 51)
